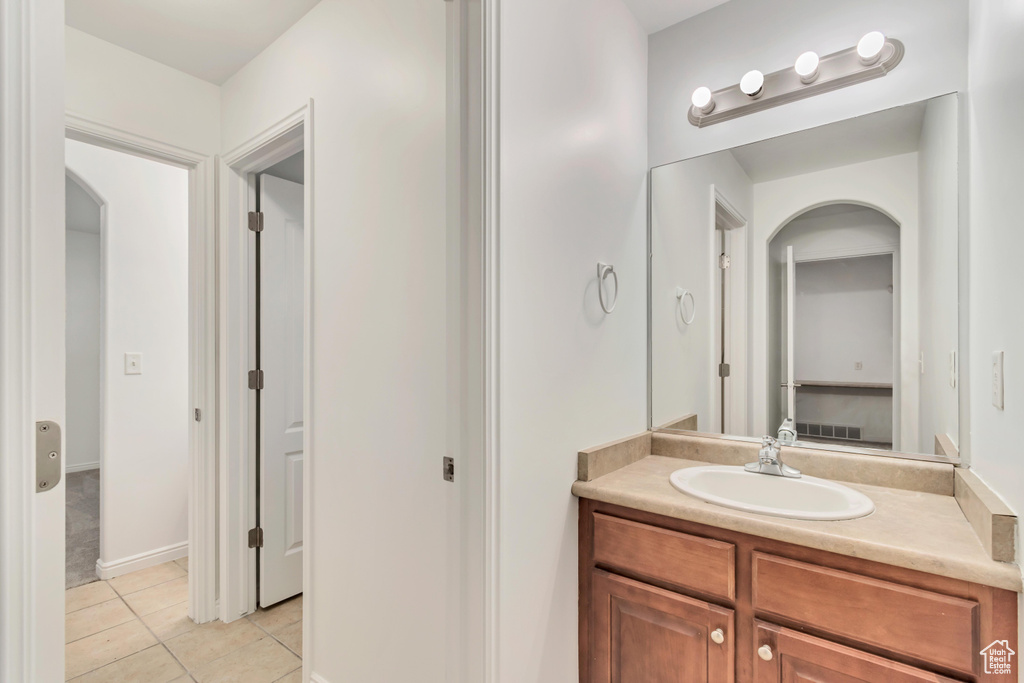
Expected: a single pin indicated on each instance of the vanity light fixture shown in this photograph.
(873, 56)
(752, 84)
(702, 100)
(869, 49)
(806, 67)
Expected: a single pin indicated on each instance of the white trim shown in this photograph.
(317, 678)
(126, 565)
(490, 91)
(202, 344)
(237, 475)
(81, 467)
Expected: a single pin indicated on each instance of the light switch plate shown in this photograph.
(997, 379)
(133, 363)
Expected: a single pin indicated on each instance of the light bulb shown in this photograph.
(702, 100)
(869, 49)
(807, 66)
(752, 83)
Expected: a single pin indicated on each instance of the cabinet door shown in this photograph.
(785, 656)
(643, 634)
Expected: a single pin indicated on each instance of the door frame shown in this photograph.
(202, 528)
(236, 190)
(723, 211)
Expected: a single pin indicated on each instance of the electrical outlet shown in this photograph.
(997, 379)
(858, 365)
(133, 363)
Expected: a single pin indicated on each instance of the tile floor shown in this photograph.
(135, 629)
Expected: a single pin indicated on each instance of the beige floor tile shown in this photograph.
(170, 622)
(100, 649)
(90, 620)
(182, 562)
(278, 616)
(293, 677)
(88, 595)
(145, 578)
(291, 636)
(153, 665)
(158, 597)
(264, 661)
(210, 641)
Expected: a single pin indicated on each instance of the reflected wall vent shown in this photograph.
(828, 431)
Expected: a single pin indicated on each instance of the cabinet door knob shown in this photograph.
(718, 636)
(765, 653)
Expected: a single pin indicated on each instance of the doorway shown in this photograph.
(729, 303)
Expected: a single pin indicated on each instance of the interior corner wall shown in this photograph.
(938, 233)
(376, 72)
(996, 102)
(573, 126)
(145, 418)
(114, 86)
(82, 374)
(716, 47)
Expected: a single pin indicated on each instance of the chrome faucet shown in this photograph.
(769, 460)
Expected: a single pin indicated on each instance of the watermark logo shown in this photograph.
(998, 657)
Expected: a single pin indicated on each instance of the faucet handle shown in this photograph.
(769, 441)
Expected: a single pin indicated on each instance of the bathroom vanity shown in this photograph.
(673, 588)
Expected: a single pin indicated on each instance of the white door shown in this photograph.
(791, 384)
(281, 325)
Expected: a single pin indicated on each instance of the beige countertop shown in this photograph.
(915, 530)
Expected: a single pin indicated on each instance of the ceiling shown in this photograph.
(81, 212)
(210, 39)
(655, 15)
(874, 136)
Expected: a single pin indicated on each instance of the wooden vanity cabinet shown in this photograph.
(663, 600)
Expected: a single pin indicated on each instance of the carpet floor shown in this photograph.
(82, 531)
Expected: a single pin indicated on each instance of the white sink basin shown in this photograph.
(795, 498)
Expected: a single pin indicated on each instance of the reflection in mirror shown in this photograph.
(820, 273)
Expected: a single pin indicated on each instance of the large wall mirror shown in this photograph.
(806, 286)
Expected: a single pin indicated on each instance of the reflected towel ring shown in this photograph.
(603, 271)
(681, 295)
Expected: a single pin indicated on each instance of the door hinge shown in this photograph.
(723, 369)
(256, 380)
(449, 469)
(724, 261)
(199, 415)
(256, 537)
(256, 221)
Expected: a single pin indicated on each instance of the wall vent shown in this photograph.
(827, 431)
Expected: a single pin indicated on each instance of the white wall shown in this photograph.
(717, 47)
(996, 103)
(111, 85)
(145, 418)
(573, 162)
(82, 374)
(938, 178)
(683, 248)
(844, 316)
(376, 72)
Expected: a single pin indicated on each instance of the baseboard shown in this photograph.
(82, 467)
(317, 678)
(110, 570)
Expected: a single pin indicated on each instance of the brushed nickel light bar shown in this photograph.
(873, 57)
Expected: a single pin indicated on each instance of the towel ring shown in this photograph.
(681, 295)
(603, 271)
